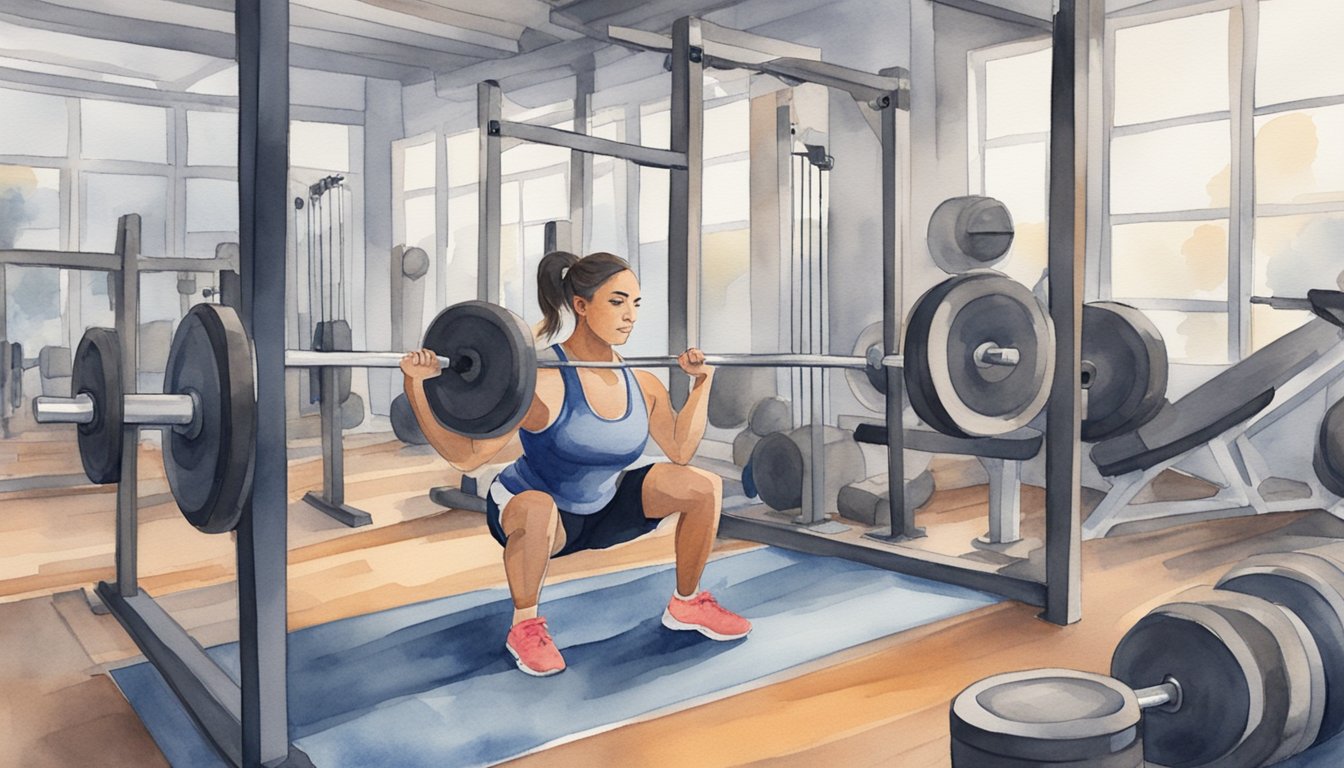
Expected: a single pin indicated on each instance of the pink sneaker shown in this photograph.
(533, 649)
(703, 614)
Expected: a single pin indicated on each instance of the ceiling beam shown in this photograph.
(558, 55)
(311, 49)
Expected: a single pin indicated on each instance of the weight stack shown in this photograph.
(1046, 717)
(779, 464)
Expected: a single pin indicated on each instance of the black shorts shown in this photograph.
(621, 520)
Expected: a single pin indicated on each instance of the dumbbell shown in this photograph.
(1220, 677)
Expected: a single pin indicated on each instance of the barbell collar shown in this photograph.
(991, 355)
(156, 410)
(1166, 695)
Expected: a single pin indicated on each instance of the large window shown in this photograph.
(1221, 184)
(1010, 112)
(1299, 157)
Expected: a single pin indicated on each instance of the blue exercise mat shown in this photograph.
(431, 684)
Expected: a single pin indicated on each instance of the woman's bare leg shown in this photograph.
(533, 533)
(698, 496)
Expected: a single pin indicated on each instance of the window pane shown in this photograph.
(1300, 54)
(511, 275)
(1016, 177)
(34, 124)
(534, 247)
(1174, 169)
(1268, 324)
(418, 164)
(461, 270)
(608, 217)
(1017, 94)
(30, 202)
(727, 194)
(116, 131)
(1192, 337)
(725, 291)
(508, 202)
(212, 138)
(212, 205)
(322, 146)
(1169, 260)
(108, 196)
(531, 157)
(1299, 156)
(1296, 253)
(33, 308)
(1147, 56)
(726, 129)
(653, 190)
(655, 129)
(464, 158)
(650, 335)
(546, 198)
(420, 230)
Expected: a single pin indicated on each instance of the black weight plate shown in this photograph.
(1124, 369)
(777, 470)
(404, 424)
(331, 336)
(1047, 715)
(1234, 687)
(1216, 671)
(1291, 674)
(489, 387)
(1328, 457)
(210, 468)
(947, 387)
(969, 232)
(1311, 585)
(97, 373)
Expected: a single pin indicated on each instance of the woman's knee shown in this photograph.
(693, 484)
(529, 511)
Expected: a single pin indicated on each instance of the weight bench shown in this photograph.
(1224, 415)
(1001, 457)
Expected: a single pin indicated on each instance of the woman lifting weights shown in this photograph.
(580, 483)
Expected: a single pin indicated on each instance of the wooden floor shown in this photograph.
(883, 703)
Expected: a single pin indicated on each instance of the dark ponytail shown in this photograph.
(561, 276)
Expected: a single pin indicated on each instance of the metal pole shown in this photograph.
(895, 224)
(488, 110)
(684, 198)
(262, 35)
(304, 358)
(127, 322)
(1078, 28)
(581, 163)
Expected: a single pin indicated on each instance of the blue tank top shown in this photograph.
(578, 458)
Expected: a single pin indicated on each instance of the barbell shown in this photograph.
(489, 364)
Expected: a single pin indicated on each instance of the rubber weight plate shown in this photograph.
(97, 373)
(870, 384)
(1124, 369)
(404, 424)
(1328, 457)
(209, 465)
(1046, 716)
(488, 387)
(1310, 584)
(1240, 703)
(948, 388)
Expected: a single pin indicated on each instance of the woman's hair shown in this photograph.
(561, 276)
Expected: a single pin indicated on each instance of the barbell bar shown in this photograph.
(154, 410)
(303, 358)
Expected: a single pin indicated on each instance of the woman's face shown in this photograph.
(612, 312)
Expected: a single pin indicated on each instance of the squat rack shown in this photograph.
(248, 721)
(695, 43)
